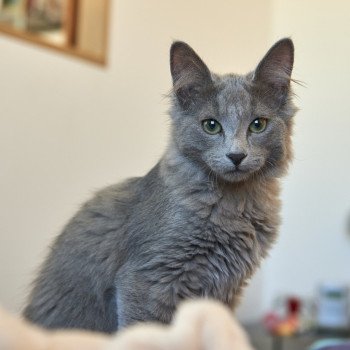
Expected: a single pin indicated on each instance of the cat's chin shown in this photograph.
(235, 176)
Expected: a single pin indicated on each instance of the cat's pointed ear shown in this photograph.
(273, 73)
(191, 77)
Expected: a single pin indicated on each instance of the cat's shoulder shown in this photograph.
(104, 213)
(113, 197)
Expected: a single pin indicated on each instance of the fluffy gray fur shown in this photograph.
(196, 225)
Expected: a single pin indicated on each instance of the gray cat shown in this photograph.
(198, 224)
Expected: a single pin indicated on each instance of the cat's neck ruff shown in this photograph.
(221, 210)
(204, 192)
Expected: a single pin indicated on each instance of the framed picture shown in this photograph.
(45, 15)
(53, 19)
(78, 27)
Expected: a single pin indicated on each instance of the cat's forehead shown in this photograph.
(233, 96)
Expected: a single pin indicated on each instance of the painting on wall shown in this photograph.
(78, 27)
(45, 15)
(13, 13)
(53, 19)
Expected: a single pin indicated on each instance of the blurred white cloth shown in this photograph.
(198, 325)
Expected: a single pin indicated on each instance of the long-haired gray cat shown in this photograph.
(198, 224)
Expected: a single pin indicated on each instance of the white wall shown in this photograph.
(68, 127)
(314, 245)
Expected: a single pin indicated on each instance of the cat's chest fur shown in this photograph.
(222, 234)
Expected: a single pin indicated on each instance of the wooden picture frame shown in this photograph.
(70, 35)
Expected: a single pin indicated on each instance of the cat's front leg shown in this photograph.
(135, 300)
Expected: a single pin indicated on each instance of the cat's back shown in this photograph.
(67, 292)
(102, 217)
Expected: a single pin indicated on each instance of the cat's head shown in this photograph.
(233, 126)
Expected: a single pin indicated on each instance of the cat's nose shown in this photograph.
(236, 158)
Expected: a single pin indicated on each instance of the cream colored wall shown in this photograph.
(68, 128)
(314, 245)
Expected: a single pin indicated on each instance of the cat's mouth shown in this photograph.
(236, 174)
(240, 169)
(237, 171)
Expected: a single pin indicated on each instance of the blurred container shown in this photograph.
(333, 307)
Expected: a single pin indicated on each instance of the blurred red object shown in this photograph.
(271, 321)
(293, 306)
(287, 325)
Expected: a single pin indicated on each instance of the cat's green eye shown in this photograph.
(258, 125)
(211, 126)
